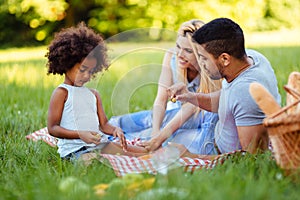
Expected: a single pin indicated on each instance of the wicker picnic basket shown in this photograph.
(284, 133)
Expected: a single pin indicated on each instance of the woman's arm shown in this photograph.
(160, 103)
(186, 111)
(179, 119)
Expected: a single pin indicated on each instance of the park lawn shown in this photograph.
(33, 170)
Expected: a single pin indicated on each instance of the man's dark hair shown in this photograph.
(221, 35)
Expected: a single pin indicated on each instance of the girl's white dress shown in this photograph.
(79, 113)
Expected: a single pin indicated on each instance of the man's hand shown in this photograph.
(176, 90)
(180, 92)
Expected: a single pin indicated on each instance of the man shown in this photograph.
(221, 50)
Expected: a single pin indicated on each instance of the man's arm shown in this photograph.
(253, 138)
(209, 102)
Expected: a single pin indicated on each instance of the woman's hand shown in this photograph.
(152, 144)
(119, 133)
(90, 137)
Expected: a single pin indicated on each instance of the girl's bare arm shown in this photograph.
(56, 106)
(106, 127)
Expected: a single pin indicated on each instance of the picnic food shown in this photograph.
(283, 126)
(98, 136)
(284, 133)
(293, 82)
(173, 99)
(263, 98)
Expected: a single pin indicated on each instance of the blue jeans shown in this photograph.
(198, 140)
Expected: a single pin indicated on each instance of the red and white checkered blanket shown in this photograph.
(42, 134)
(125, 164)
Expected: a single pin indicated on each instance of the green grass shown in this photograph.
(30, 170)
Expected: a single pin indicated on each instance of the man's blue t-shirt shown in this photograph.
(237, 107)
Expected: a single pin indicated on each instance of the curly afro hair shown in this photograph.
(72, 45)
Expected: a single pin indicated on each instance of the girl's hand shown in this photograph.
(119, 133)
(90, 137)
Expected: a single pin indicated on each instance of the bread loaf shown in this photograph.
(293, 82)
(263, 98)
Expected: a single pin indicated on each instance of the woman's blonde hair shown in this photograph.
(189, 27)
(207, 85)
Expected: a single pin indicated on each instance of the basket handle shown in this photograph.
(292, 91)
(295, 94)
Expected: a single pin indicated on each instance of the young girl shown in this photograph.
(75, 114)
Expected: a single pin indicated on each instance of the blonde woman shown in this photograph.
(176, 122)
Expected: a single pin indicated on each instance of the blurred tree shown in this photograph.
(78, 11)
(280, 13)
(33, 22)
